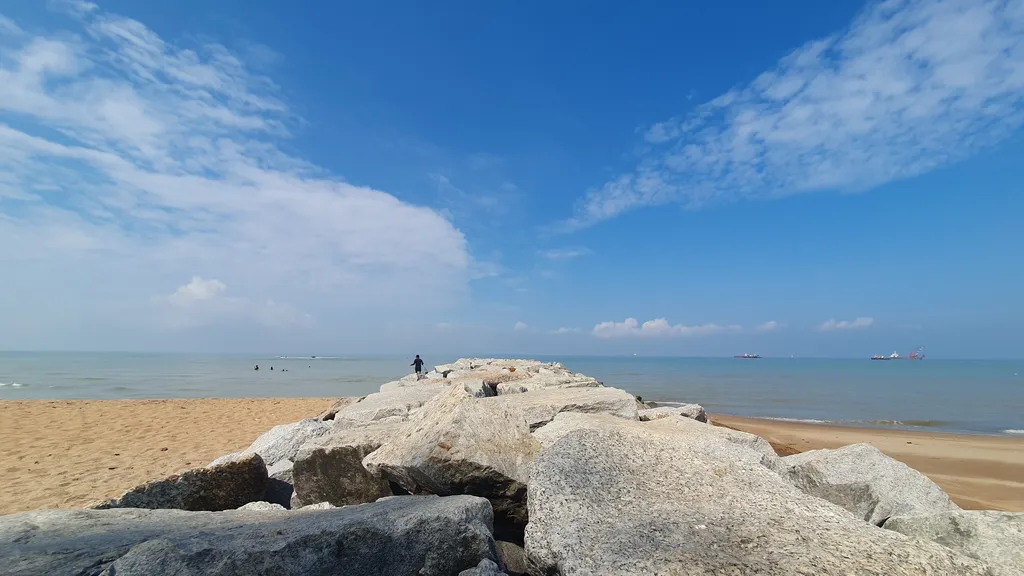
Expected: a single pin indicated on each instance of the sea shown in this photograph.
(966, 396)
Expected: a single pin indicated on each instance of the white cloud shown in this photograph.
(564, 253)
(767, 326)
(910, 86)
(202, 302)
(857, 324)
(129, 161)
(564, 330)
(196, 290)
(520, 326)
(657, 328)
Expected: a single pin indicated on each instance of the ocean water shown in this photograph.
(978, 396)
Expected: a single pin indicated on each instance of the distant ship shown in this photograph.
(915, 355)
(748, 356)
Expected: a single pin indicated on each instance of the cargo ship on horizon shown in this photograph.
(749, 356)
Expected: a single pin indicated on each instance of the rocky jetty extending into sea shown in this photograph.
(495, 466)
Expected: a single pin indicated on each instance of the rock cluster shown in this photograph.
(497, 466)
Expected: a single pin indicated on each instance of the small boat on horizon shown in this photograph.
(915, 355)
(748, 356)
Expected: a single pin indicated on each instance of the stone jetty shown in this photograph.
(500, 466)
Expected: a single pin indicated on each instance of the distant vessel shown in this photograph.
(748, 356)
(915, 355)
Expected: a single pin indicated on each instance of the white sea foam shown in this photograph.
(11, 384)
(1012, 431)
(803, 420)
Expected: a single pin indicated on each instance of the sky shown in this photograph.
(802, 178)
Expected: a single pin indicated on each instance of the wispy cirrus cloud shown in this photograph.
(564, 253)
(658, 327)
(856, 324)
(130, 161)
(910, 86)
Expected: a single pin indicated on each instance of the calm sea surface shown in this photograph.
(954, 395)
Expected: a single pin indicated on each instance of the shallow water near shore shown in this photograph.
(978, 396)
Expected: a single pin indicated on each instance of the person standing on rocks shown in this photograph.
(418, 364)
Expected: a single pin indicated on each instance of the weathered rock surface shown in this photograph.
(399, 401)
(541, 406)
(714, 442)
(512, 556)
(461, 444)
(281, 442)
(338, 405)
(413, 535)
(691, 411)
(630, 501)
(484, 568)
(223, 487)
(330, 469)
(262, 507)
(996, 538)
(862, 479)
(279, 483)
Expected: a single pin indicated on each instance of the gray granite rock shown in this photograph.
(223, 487)
(862, 479)
(484, 568)
(263, 507)
(691, 411)
(330, 469)
(996, 538)
(541, 406)
(512, 556)
(461, 444)
(412, 535)
(631, 500)
(400, 401)
(281, 442)
(279, 483)
(719, 443)
(338, 405)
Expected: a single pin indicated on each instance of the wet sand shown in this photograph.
(71, 453)
(978, 472)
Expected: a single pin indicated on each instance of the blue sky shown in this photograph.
(808, 178)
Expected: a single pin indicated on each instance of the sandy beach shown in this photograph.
(68, 454)
(978, 472)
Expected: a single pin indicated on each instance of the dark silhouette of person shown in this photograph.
(418, 364)
(257, 367)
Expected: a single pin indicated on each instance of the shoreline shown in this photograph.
(978, 471)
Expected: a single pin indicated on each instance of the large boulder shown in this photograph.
(279, 483)
(338, 405)
(630, 500)
(397, 402)
(461, 444)
(716, 442)
(484, 568)
(281, 442)
(223, 487)
(330, 469)
(412, 535)
(691, 411)
(996, 538)
(862, 479)
(541, 406)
